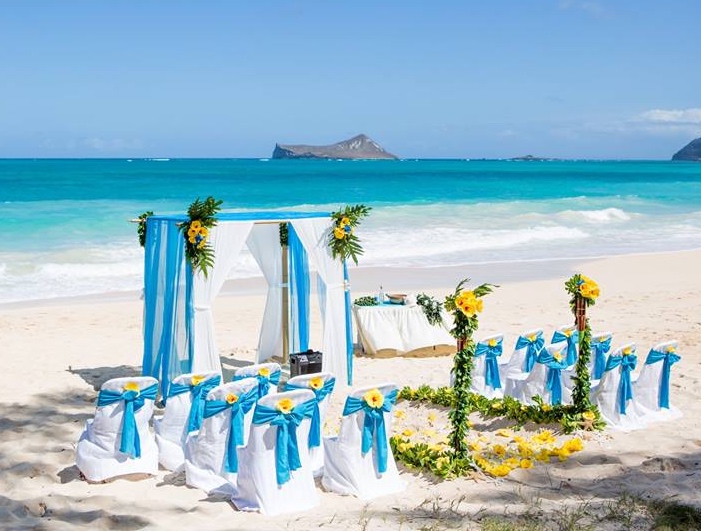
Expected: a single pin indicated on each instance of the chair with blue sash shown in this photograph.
(653, 386)
(614, 396)
(359, 462)
(570, 335)
(322, 385)
(211, 458)
(275, 473)
(550, 378)
(268, 375)
(522, 360)
(118, 440)
(486, 380)
(600, 346)
(184, 407)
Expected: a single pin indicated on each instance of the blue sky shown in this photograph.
(439, 79)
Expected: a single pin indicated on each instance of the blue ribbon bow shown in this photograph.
(625, 387)
(199, 395)
(373, 426)
(263, 381)
(286, 449)
(321, 393)
(491, 367)
(238, 409)
(670, 358)
(572, 341)
(554, 379)
(600, 348)
(532, 349)
(130, 442)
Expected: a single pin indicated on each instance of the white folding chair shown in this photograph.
(652, 388)
(211, 459)
(485, 376)
(118, 441)
(523, 359)
(184, 406)
(275, 474)
(599, 348)
(570, 335)
(549, 378)
(614, 395)
(268, 375)
(359, 461)
(321, 384)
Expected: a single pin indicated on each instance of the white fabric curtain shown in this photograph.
(227, 240)
(264, 244)
(313, 233)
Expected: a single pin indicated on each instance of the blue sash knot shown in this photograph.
(130, 442)
(572, 341)
(625, 387)
(600, 349)
(373, 425)
(321, 393)
(554, 378)
(286, 448)
(263, 381)
(491, 367)
(669, 359)
(238, 409)
(532, 349)
(199, 395)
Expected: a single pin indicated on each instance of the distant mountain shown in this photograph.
(692, 151)
(358, 147)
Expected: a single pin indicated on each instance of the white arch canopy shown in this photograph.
(179, 335)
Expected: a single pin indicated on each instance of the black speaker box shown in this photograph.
(305, 362)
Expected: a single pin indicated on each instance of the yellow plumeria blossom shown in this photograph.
(468, 303)
(374, 398)
(627, 351)
(285, 405)
(131, 386)
(558, 356)
(196, 379)
(316, 383)
(492, 342)
(339, 233)
(504, 432)
(264, 372)
(231, 398)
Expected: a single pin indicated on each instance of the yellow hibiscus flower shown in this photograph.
(196, 379)
(374, 398)
(492, 342)
(500, 470)
(204, 231)
(191, 232)
(345, 221)
(131, 386)
(285, 405)
(231, 398)
(339, 233)
(627, 351)
(499, 449)
(195, 224)
(191, 239)
(264, 372)
(316, 383)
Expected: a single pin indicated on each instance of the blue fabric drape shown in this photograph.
(130, 442)
(349, 324)
(373, 425)
(599, 350)
(625, 387)
(286, 447)
(319, 395)
(263, 381)
(239, 408)
(668, 358)
(533, 347)
(491, 367)
(572, 342)
(199, 395)
(299, 291)
(554, 378)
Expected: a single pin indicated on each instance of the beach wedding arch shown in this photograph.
(343, 241)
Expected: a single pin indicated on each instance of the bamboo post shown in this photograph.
(285, 308)
(580, 313)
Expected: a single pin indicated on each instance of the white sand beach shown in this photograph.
(56, 354)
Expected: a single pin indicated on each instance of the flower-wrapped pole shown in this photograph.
(464, 305)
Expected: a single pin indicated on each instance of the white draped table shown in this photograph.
(398, 327)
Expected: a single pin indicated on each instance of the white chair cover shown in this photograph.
(652, 389)
(327, 382)
(618, 410)
(570, 335)
(526, 350)
(259, 487)
(599, 349)
(268, 375)
(486, 380)
(98, 454)
(537, 382)
(347, 470)
(206, 451)
(172, 427)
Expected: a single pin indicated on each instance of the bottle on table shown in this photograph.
(380, 296)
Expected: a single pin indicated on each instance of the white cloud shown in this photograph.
(671, 117)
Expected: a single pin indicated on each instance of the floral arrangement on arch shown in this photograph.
(343, 241)
(198, 251)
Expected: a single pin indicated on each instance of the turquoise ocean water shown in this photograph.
(66, 228)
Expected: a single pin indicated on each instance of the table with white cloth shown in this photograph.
(401, 328)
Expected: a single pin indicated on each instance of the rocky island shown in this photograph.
(358, 147)
(692, 151)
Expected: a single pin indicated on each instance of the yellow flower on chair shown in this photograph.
(264, 372)
(196, 379)
(131, 386)
(671, 348)
(231, 398)
(285, 405)
(492, 342)
(316, 383)
(558, 356)
(374, 398)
